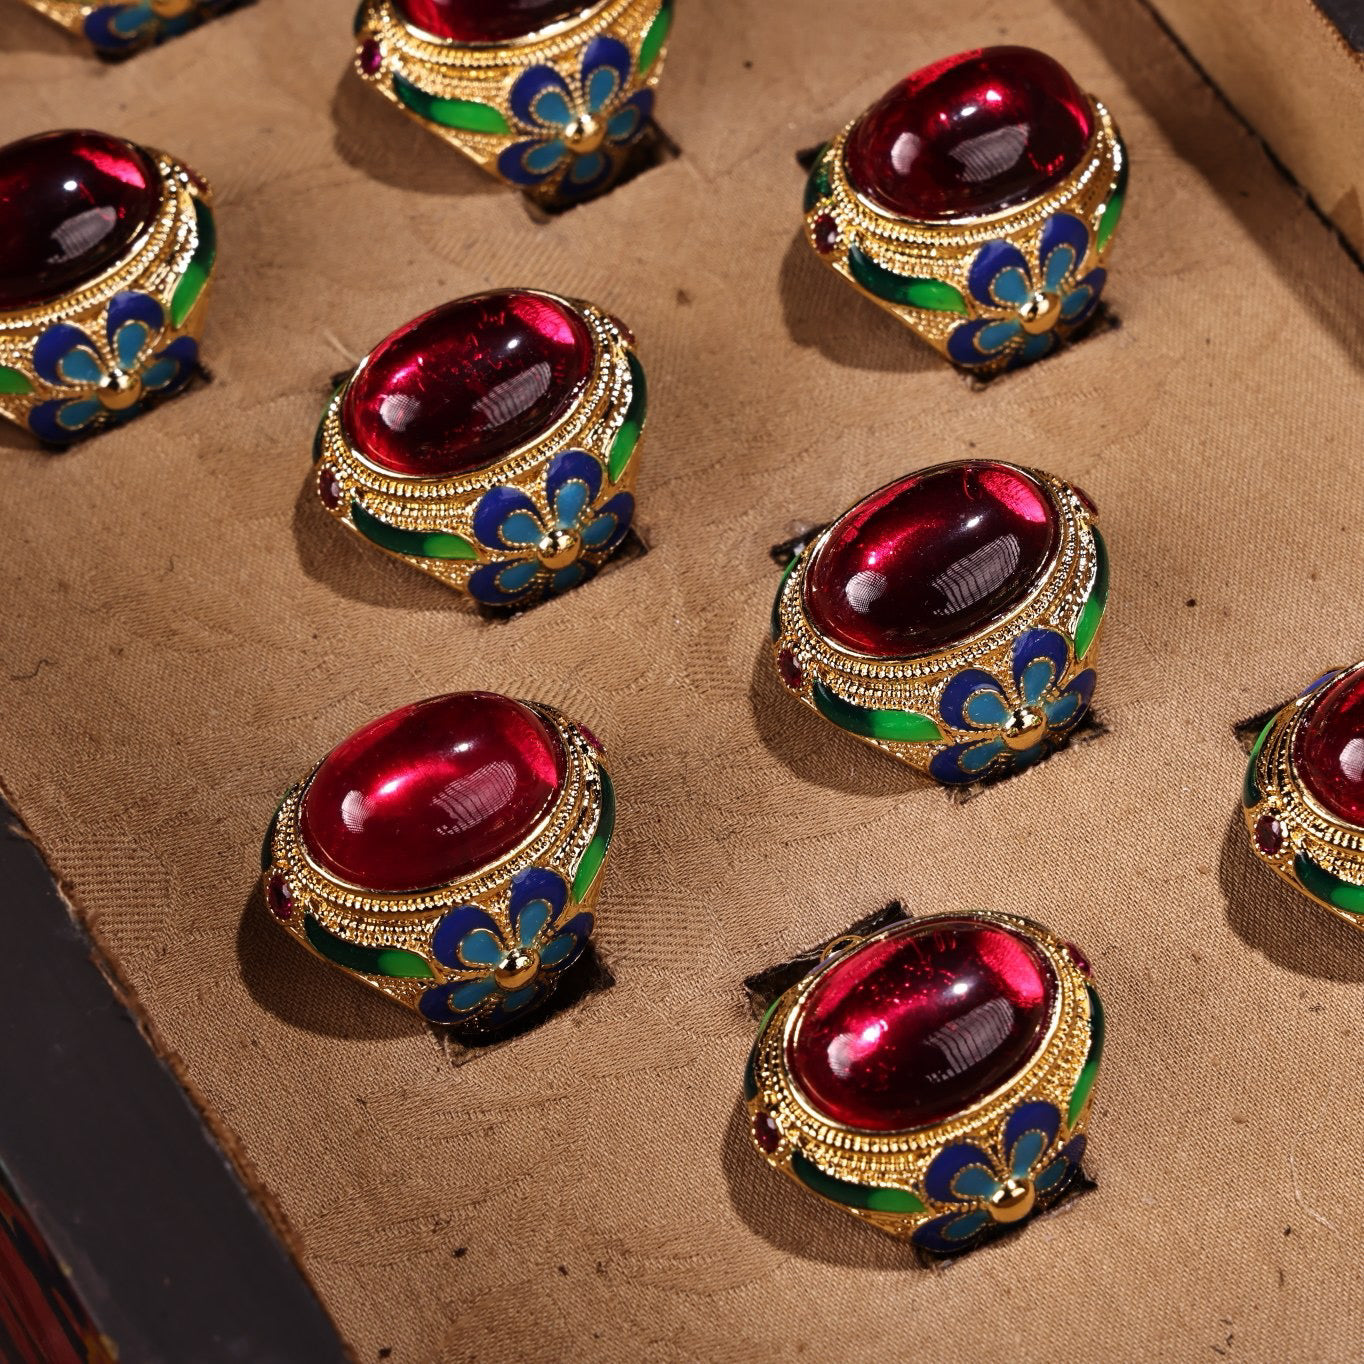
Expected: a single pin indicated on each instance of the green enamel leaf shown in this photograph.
(601, 841)
(414, 543)
(468, 115)
(915, 291)
(1093, 610)
(200, 266)
(897, 726)
(853, 1195)
(1108, 221)
(1090, 1070)
(817, 186)
(1316, 880)
(14, 381)
(1250, 787)
(654, 38)
(776, 601)
(369, 961)
(627, 438)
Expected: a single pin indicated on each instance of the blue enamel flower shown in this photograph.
(121, 28)
(581, 129)
(503, 974)
(1025, 313)
(985, 1193)
(108, 384)
(1012, 726)
(549, 549)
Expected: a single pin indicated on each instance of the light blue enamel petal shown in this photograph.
(979, 756)
(968, 1225)
(622, 125)
(159, 374)
(519, 999)
(601, 88)
(599, 530)
(542, 159)
(975, 1182)
(587, 168)
(481, 948)
(550, 107)
(532, 921)
(1059, 264)
(1035, 347)
(1028, 1149)
(997, 335)
(521, 528)
(518, 576)
(1060, 711)
(569, 577)
(469, 994)
(1052, 1175)
(133, 20)
(986, 710)
(1076, 302)
(128, 343)
(80, 366)
(1037, 680)
(1012, 286)
(569, 504)
(555, 951)
(72, 416)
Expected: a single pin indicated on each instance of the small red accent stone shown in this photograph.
(71, 206)
(1328, 748)
(488, 21)
(462, 386)
(766, 1132)
(1269, 835)
(371, 57)
(1089, 504)
(279, 897)
(591, 738)
(826, 234)
(432, 792)
(932, 559)
(329, 489)
(791, 671)
(627, 335)
(915, 1026)
(1079, 958)
(970, 135)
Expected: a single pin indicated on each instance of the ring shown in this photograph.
(550, 99)
(975, 202)
(1304, 793)
(950, 619)
(491, 443)
(933, 1079)
(116, 30)
(106, 249)
(449, 854)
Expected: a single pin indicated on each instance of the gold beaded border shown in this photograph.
(407, 922)
(1308, 831)
(1055, 601)
(899, 1160)
(944, 251)
(446, 506)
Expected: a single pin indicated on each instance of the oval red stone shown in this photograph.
(1269, 835)
(932, 559)
(466, 384)
(489, 21)
(1328, 748)
(71, 205)
(432, 792)
(920, 1024)
(970, 135)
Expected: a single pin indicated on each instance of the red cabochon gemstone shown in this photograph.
(432, 792)
(920, 1024)
(489, 21)
(1328, 748)
(71, 206)
(970, 135)
(932, 559)
(468, 383)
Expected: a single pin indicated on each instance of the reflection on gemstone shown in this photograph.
(1328, 748)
